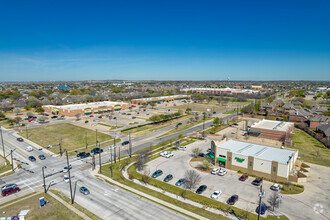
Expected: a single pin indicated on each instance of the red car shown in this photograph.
(9, 191)
(91, 116)
(243, 177)
(31, 120)
(100, 116)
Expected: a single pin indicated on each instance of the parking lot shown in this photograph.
(229, 184)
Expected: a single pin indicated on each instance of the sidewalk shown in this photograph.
(69, 206)
(169, 205)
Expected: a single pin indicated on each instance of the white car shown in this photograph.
(66, 178)
(182, 148)
(166, 154)
(29, 148)
(216, 194)
(215, 170)
(222, 172)
(275, 187)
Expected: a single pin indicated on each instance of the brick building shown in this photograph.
(318, 120)
(159, 99)
(85, 109)
(275, 130)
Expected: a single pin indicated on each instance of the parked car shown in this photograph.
(29, 148)
(66, 178)
(257, 182)
(208, 150)
(84, 190)
(216, 194)
(84, 155)
(54, 116)
(235, 124)
(215, 170)
(96, 150)
(32, 158)
(86, 121)
(114, 117)
(232, 200)
(262, 210)
(201, 189)
(182, 148)
(243, 178)
(179, 124)
(276, 187)
(168, 178)
(214, 112)
(180, 182)
(133, 117)
(91, 116)
(65, 169)
(124, 143)
(167, 154)
(31, 120)
(96, 120)
(222, 172)
(10, 190)
(42, 157)
(157, 173)
(7, 186)
(80, 153)
(60, 118)
(100, 116)
(201, 155)
(20, 139)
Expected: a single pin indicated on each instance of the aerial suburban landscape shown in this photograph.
(165, 110)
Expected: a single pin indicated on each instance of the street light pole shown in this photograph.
(67, 160)
(96, 137)
(100, 161)
(130, 144)
(12, 163)
(261, 194)
(60, 146)
(43, 177)
(3, 145)
(111, 163)
(86, 139)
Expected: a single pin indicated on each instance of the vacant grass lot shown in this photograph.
(199, 107)
(310, 149)
(73, 137)
(52, 210)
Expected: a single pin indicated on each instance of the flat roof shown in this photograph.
(160, 97)
(258, 151)
(85, 105)
(273, 125)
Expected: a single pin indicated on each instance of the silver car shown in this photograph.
(84, 190)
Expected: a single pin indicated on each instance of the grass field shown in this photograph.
(52, 210)
(310, 149)
(73, 137)
(212, 107)
(292, 189)
(230, 112)
(3, 167)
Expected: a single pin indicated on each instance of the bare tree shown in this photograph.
(273, 200)
(17, 119)
(205, 165)
(141, 159)
(192, 179)
(146, 176)
(196, 151)
(17, 111)
(287, 184)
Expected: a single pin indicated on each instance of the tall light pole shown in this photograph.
(100, 162)
(3, 145)
(12, 163)
(261, 194)
(111, 163)
(279, 203)
(86, 139)
(96, 137)
(130, 144)
(43, 177)
(67, 161)
(60, 147)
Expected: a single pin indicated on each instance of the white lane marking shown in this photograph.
(29, 187)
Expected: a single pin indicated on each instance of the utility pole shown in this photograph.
(12, 163)
(93, 161)
(3, 145)
(96, 137)
(261, 194)
(67, 160)
(114, 149)
(130, 144)
(100, 161)
(43, 177)
(111, 163)
(86, 139)
(279, 203)
(60, 146)
(118, 148)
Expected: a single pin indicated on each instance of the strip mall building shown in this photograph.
(159, 99)
(263, 161)
(85, 109)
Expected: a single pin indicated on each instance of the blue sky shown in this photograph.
(165, 40)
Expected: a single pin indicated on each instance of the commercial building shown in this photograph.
(219, 91)
(263, 161)
(85, 109)
(159, 99)
(275, 130)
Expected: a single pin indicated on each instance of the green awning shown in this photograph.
(254, 132)
(221, 159)
(117, 108)
(88, 112)
(211, 155)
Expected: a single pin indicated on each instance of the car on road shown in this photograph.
(84, 190)
(114, 117)
(96, 120)
(180, 182)
(31, 120)
(235, 124)
(157, 173)
(29, 148)
(216, 194)
(96, 150)
(168, 178)
(124, 143)
(201, 189)
(232, 200)
(42, 157)
(262, 210)
(80, 153)
(214, 112)
(133, 117)
(84, 155)
(243, 178)
(100, 117)
(66, 178)
(32, 158)
(10, 190)
(60, 118)
(86, 121)
(65, 169)
(276, 187)
(257, 182)
(7, 186)
(179, 124)
(182, 148)
(215, 170)
(222, 172)
(55, 116)
(20, 139)
(91, 116)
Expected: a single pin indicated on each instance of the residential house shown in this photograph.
(324, 130)
(19, 103)
(288, 108)
(318, 120)
(300, 115)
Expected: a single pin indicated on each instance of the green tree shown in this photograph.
(27, 107)
(40, 110)
(216, 121)
(152, 104)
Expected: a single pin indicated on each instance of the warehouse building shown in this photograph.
(275, 130)
(85, 109)
(159, 99)
(263, 161)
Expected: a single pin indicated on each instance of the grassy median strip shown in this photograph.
(4, 167)
(76, 205)
(52, 210)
